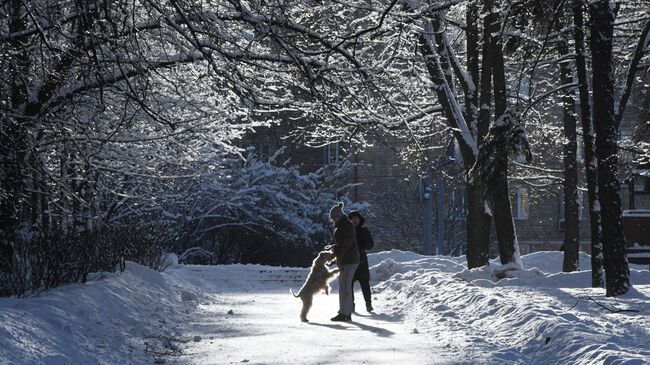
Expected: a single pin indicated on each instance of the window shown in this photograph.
(457, 205)
(562, 215)
(641, 184)
(520, 86)
(458, 155)
(618, 91)
(581, 207)
(331, 154)
(521, 208)
(266, 152)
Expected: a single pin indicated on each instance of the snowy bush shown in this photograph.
(45, 262)
(146, 243)
(237, 210)
(169, 259)
(196, 256)
(42, 262)
(254, 211)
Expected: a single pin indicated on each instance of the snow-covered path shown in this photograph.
(263, 331)
(429, 310)
(264, 328)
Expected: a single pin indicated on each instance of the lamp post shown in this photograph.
(426, 195)
(441, 229)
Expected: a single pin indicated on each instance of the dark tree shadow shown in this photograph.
(379, 316)
(382, 332)
(332, 326)
(376, 330)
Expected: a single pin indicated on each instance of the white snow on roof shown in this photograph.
(641, 172)
(636, 213)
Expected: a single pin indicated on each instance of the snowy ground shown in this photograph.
(264, 327)
(429, 310)
(541, 317)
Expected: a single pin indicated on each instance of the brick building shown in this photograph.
(392, 188)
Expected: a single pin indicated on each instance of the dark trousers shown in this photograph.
(362, 275)
(365, 288)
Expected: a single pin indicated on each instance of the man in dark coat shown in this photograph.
(347, 260)
(364, 243)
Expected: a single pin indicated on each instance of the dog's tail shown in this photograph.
(294, 294)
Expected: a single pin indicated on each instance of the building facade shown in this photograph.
(380, 177)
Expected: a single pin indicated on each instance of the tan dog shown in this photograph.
(318, 279)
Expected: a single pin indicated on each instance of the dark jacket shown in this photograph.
(345, 238)
(364, 242)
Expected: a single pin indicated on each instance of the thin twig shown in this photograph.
(610, 308)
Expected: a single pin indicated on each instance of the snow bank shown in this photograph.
(538, 315)
(170, 260)
(551, 261)
(115, 318)
(534, 316)
(385, 264)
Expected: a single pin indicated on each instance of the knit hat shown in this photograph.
(337, 211)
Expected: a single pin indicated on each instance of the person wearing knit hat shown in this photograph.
(336, 211)
(347, 259)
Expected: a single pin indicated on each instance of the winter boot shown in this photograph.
(341, 318)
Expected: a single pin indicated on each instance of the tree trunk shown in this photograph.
(617, 273)
(478, 227)
(446, 97)
(498, 189)
(589, 148)
(571, 207)
(478, 220)
(472, 96)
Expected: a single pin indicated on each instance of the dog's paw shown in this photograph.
(304, 320)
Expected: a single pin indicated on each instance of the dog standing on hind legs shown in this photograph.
(319, 278)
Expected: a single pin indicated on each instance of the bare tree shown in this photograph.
(588, 145)
(571, 245)
(617, 278)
